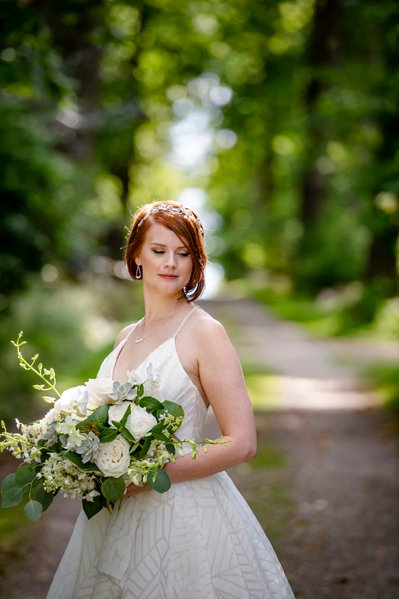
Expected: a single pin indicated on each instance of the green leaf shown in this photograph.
(134, 446)
(113, 489)
(159, 480)
(125, 416)
(145, 448)
(8, 483)
(160, 436)
(127, 435)
(12, 497)
(171, 448)
(48, 399)
(150, 404)
(98, 418)
(158, 428)
(91, 508)
(77, 460)
(173, 408)
(108, 434)
(140, 390)
(33, 510)
(24, 475)
(44, 497)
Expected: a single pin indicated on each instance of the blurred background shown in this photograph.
(278, 121)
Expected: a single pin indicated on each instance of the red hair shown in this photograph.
(185, 223)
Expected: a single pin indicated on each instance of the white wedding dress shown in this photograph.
(199, 540)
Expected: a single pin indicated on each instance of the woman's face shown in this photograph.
(165, 260)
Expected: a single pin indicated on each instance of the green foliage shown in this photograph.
(383, 377)
(23, 485)
(113, 489)
(304, 156)
(72, 326)
(159, 480)
(268, 456)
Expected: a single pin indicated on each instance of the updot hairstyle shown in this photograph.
(185, 223)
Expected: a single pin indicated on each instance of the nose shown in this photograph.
(170, 260)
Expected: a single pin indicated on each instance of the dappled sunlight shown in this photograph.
(323, 394)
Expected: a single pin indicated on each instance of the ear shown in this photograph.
(138, 260)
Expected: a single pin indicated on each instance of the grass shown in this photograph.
(14, 526)
(263, 389)
(273, 507)
(318, 320)
(353, 310)
(268, 456)
(383, 377)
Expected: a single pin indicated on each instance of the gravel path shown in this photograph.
(339, 537)
(342, 539)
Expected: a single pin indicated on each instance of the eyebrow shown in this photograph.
(164, 246)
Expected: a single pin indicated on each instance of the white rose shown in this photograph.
(113, 458)
(99, 390)
(140, 422)
(117, 412)
(71, 400)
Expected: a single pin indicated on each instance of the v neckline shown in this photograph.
(125, 340)
(118, 353)
(136, 368)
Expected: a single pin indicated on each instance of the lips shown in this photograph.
(169, 277)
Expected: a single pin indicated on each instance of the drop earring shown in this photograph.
(139, 273)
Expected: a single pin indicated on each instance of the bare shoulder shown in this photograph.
(123, 333)
(207, 332)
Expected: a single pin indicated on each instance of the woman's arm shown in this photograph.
(221, 378)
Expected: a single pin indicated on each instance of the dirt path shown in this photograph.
(341, 539)
(331, 510)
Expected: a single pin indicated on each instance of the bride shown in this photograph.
(200, 539)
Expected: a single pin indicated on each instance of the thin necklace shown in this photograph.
(143, 337)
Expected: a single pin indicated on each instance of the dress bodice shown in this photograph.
(173, 384)
(199, 539)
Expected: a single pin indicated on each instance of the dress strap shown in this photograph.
(183, 322)
(131, 330)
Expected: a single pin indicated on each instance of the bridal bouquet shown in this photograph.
(97, 439)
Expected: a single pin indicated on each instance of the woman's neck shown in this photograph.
(158, 308)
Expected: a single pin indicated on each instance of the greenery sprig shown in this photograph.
(47, 375)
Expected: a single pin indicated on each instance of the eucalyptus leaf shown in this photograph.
(24, 475)
(44, 498)
(12, 497)
(33, 510)
(8, 482)
(159, 480)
